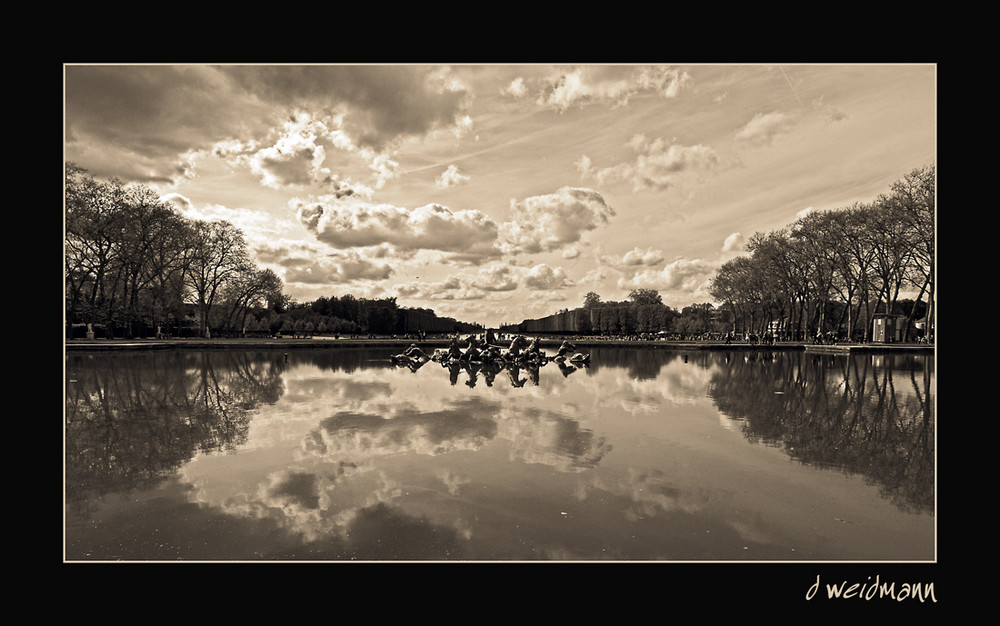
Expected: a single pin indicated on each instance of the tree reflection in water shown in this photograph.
(870, 415)
(136, 418)
(830, 411)
(133, 419)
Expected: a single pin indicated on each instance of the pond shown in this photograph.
(338, 454)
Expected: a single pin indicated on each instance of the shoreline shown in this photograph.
(383, 342)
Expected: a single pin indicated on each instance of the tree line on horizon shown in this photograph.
(136, 267)
(835, 270)
(830, 271)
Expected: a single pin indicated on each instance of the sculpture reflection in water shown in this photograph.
(328, 454)
(488, 358)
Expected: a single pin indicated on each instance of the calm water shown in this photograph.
(647, 454)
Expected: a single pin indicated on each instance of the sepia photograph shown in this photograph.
(503, 313)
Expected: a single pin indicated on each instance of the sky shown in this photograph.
(496, 193)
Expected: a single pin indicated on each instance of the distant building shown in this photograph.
(887, 328)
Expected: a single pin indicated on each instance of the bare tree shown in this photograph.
(217, 255)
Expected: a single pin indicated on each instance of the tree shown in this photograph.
(124, 252)
(247, 288)
(591, 300)
(94, 224)
(837, 265)
(148, 251)
(217, 255)
(913, 200)
(645, 296)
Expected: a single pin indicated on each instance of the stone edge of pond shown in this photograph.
(242, 344)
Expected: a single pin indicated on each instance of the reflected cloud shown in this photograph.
(346, 456)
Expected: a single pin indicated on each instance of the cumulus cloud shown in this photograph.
(657, 164)
(383, 167)
(543, 223)
(300, 263)
(450, 178)
(491, 283)
(637, 256)
(631, 260)
(351, 222)
(764, 127)
(142, 123)
(294, 160)
(181, 203)
(255, 225)
(293, 154)
(544, 277)
(733, 242)
(681, 275)
(350, 266)
(495, 277)
(137, 122)
(516, 88)
(380, 103)
(615, 85)
(549, 222)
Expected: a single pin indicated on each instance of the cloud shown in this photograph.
(491, 281)
(350, 266)
(632, 260)
(637, 256)
(254, 224)
(296, 156)
(516, 88)
(543, 277)
(495, 277)
(764, 127)
(615, 85)
(181, 203)
(733, 242)
(658, 164)
(384, 167)
(306, 264)
(380, 103)
(295, 159)
(450, 178)
(680, 275)
(541, 223)
(138, 122)
(143, 123)
(549, 222)
(352, 222)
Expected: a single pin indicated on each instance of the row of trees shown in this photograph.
(643, 312)
(133, 263)
(136, 266)
(830, 271)
(834, 270)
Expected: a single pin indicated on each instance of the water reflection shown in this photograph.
(133, 419)
(868, 415)
(342, 454)
(516, 373)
